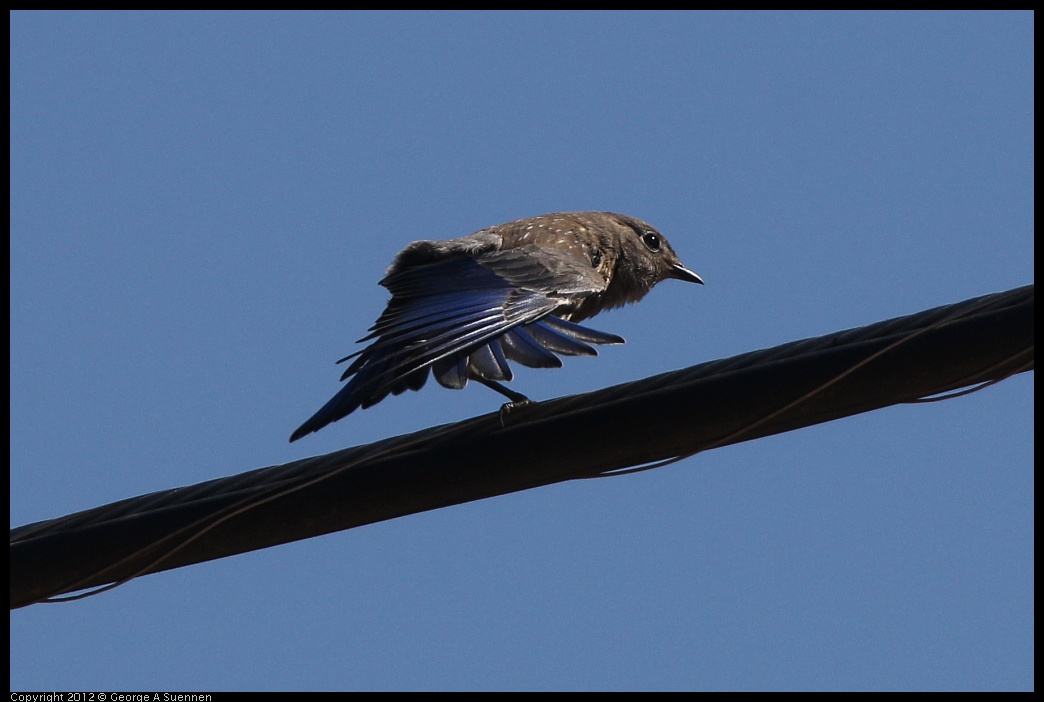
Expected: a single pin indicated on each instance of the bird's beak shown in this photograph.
(682, 273)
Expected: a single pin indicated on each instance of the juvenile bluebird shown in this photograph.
(464, 307)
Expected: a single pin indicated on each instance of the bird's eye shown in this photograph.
(651, 240)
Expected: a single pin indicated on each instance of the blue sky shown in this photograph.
(202, 205)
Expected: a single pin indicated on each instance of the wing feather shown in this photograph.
(465, 318)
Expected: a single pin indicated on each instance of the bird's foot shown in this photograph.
(509, 408)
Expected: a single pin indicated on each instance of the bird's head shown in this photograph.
(644, 258)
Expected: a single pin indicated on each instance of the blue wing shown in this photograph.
(462, 319)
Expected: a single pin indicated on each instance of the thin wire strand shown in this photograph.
(731, 438)
(214, 520)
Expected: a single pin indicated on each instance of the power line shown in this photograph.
(660, 418)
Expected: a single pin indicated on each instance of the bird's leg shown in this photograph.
(517, 399)
(506, 392)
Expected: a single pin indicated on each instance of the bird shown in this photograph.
(462, 308)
